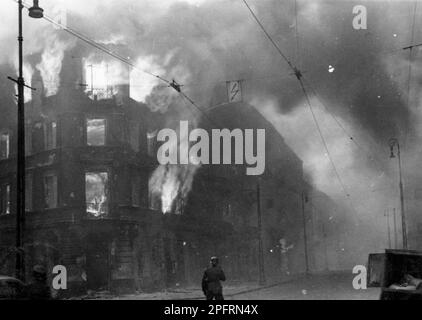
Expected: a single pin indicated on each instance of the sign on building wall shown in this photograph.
(234, 91)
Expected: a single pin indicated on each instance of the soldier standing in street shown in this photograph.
(39, 289)
(211, 285)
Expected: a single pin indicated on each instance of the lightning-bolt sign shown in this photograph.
(234, 91)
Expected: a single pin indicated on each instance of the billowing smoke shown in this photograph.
(142, 84)
(360, 76)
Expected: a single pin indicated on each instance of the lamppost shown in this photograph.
(260, 241)
(395, 228)
(324, 234)
(387, 215)
(34, 12)
(392, 143)
(305, 236)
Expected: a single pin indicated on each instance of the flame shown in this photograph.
(51, 64)
(171, 182)
(170, 189)
(104, 77)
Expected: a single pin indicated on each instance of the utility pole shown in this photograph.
(387, 215)
(394, 142)
(260, 244)
(324, 233)
(403, 214)
(395, 228)
(305, 238)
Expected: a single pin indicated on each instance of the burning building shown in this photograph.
(98, 202)
(87, 171)
(221, 214)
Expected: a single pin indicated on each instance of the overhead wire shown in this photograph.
(346, 132)
(299, 76)
(126, 61)
(115, 55)
(205, 115)
(269, 37)
(97, 45)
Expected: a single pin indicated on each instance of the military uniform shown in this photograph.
(39, 289)
(211, 285)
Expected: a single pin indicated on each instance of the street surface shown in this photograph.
(315, 287)
(331, 286)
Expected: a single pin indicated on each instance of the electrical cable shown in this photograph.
(299, 76)
(104, 49)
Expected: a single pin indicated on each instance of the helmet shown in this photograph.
(214, 260)
(39, 271)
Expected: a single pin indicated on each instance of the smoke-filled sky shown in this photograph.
(360, 76)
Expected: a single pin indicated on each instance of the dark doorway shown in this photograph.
(180, 262)
(170, 266)
(98, 263)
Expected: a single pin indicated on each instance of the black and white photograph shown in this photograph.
(223, 151)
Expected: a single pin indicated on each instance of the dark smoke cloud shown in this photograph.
(218, 40)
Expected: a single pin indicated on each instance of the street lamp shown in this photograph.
(392, 143)
(34, 12)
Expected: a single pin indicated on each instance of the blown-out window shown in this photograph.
(38, 141)
(179, 206)
(134, 136)
(28, 140)
(50, 135)
(4, 145)
(28, 192)
(101, 79)
(152, 143)
(96, 193)
(50, 191)
(154, 201)
(136, 191)
(96, 132)
(227, 210)
(5, 199)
